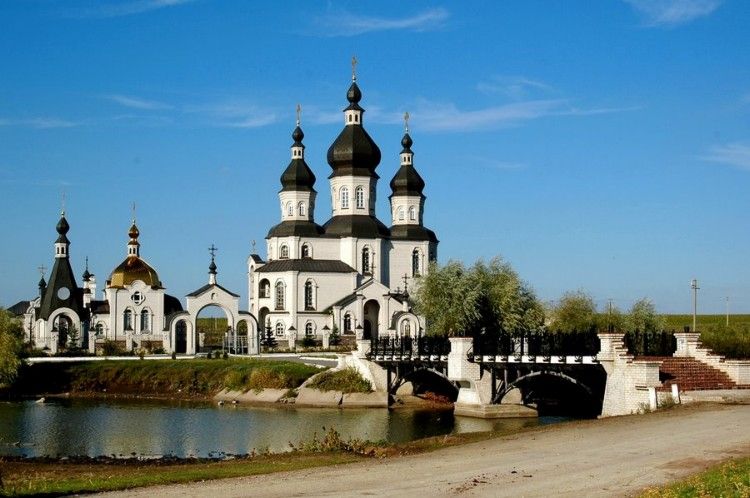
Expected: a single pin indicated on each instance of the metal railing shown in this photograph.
(650, 343)
(412, 347)
(542, 343)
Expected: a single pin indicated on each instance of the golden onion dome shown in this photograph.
(132, 269)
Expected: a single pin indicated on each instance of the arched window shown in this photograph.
(400, 213)
(305, 251)
(264, 288)
(308, 329)
(301, 209)
(279, 328)
(359, 197)
(366, 266)
(99, 329)
(412, 213)
(415, 263)
(289, 209)
(127, 320)
(280, 295)
(406, 328)
(344, 198)
(284, 252)
(309, 295)
(145, 321)
(347, 323)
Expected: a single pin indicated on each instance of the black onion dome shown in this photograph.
(407, 181)
(86, 274)
(354, 152)
(62, 226)
(212, 267)
(298, 175)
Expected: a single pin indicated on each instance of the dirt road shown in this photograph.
(611, 457)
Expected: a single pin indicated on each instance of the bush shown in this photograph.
(732, 342)
(111, 348)
(347, 380)
(11, 347)
(308, 341)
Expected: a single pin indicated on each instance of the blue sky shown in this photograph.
(602, 146)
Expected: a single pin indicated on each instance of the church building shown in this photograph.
(353, 272)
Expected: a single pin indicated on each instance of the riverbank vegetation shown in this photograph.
(160, 378)
(730, 478)
(11, 344)
(347, 380)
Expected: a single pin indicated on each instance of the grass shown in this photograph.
(729, 479)
(183, 378)
(347, 380)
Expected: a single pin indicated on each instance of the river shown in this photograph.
(127, 428)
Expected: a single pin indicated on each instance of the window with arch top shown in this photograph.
(344, 198)
(279, 295)
(348, 323)
(305, 251)
(359, 197)
(400, 213)
(366, 263)
(301, 209)
(415, 263)
(309, 329)
(412, 214)
(289, 209)
(309, 295)
(279, 329)
(145, 321)
(127, 320)
(264, 288)
(284, 252)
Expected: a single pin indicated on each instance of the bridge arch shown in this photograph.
(426, 379)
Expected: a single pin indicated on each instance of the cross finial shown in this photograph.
(132, 208)
(354, 67)
(253, 244)
(87, 263)
(62, 202)
(405, 278)
(42, 270)
(212, 250)
(299, 112)
(406, 121)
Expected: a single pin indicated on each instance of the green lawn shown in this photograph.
(729, 479)
(732, 341)
(179, 378)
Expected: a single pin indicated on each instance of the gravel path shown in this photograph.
(611, 457)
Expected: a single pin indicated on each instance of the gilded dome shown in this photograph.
(132, 269)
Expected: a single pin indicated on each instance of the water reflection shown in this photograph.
(128, 428)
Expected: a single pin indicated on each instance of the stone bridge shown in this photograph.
(511, 375)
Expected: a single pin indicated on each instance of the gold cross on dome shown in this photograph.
(406, 121)
(299, 112)
(132, 208)
(354, 67)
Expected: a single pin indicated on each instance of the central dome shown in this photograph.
(132, 269)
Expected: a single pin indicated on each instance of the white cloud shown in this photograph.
(138, 103)
(130, 7)
(40, 123)
(342, 23)
(234, 114)
(515, 87)
(673, 12)
(447, 117)
(734, 154)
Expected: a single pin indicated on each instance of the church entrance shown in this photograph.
(180, 337)
(372, 310)
(212, 324)
(63, 325)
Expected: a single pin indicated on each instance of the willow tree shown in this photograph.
(11, 342)
(460, 301)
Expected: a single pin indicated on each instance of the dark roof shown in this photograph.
(348, 299)
(208, 286)
(361, 226)
(307, 265)
(298, 176)
(412, 232)
(99, 307)
(407, 181)
(354, 152)
(20, 308)
(52, 299)
(299, 228)
(171, 305)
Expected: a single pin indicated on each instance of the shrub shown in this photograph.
(347, 380)
(111, 348)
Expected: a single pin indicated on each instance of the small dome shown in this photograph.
(406, 142)
(133, 232)
(132, 269)
(354, 94)
(86, 275)
(212, 267)
(298, 135)
(62, 226)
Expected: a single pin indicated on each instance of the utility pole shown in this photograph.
(694, 286)
(727, 311)
(609, 317)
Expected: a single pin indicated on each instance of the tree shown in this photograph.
(462, 302)
(574, 312)
(11, 344)
(643, 317)
(73, 337)
(267, 338)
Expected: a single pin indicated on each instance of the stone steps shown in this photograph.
(692, 375)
